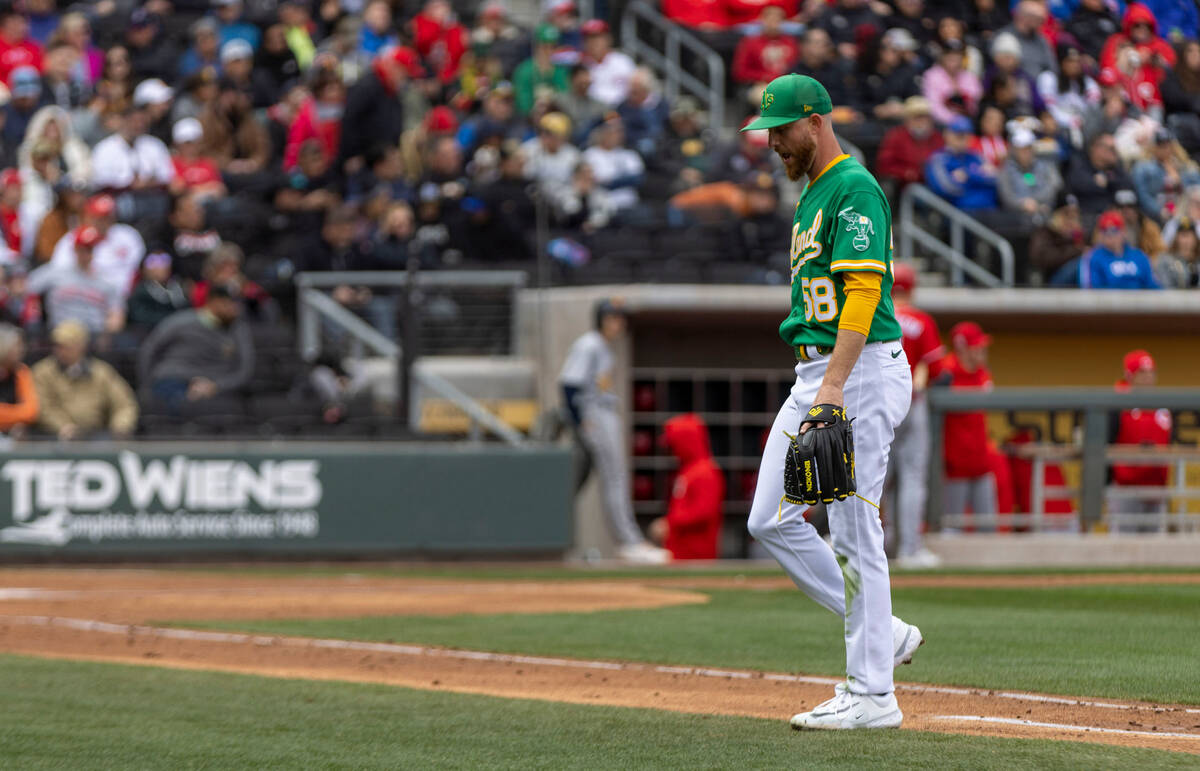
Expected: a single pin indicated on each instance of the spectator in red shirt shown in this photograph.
(16, 47)
(194, 173)
(906, 148)
(761, 58)
(691, 530)
(1140, 28)
(440, 39)
(968, 464)
(10, 200)
(1140, 428)
(319, 118)
(923, 347)
(700, 14)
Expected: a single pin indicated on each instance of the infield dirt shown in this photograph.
(105, 615)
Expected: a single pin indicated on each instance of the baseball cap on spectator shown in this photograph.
(1163, 136)
(1111, 220)
(25, 82)
(10, 178)
(594, 27)
(1023, 137)
(1125, 197)
(547, 34)
(441, 120)
(69, 332)
(152, 91)
(141, 18)
(951, 45)
(561, 6)
(686, 106)
(970, 334)
(409, 60)
(503, 88)
(205, 24)
(187, 130)
(900, 39)
(87, 237)
(493, 8)
(1006, 43)
(960, 124)
(556, 123)
(236, 49)
(904, 276)
(1137, 361)
(101, 205)
(915, 106)
(157, 260)
(429, 193)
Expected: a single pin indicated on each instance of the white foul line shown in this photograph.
(1061, 726)
(88, 625)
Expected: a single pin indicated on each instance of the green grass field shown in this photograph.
(1133, 642)
(68, 715)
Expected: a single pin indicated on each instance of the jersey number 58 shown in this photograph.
(820, 299)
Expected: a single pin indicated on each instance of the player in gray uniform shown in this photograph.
(591, 404)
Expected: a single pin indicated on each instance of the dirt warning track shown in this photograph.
(101, 616)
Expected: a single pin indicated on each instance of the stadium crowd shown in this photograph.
(169, 167)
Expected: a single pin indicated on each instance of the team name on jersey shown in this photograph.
(805, 245)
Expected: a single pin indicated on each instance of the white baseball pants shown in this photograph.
(909, 475)
(851, 579)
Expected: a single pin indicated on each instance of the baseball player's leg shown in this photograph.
(983, 494)
(604, 438)
(911, 461)
(954, 496)
(780, 526)
(877, 394)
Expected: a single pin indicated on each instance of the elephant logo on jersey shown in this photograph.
(860, 225)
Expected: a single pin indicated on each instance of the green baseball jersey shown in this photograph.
(843, 224)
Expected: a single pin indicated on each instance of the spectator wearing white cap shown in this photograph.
(158, 100)
(81, 397)
(611, 70)
(130, 160)
(1028, 182)
(194, 172)
(1022, 97)
(238, 72)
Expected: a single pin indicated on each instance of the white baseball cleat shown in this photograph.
(643, 554)
(847, 711)
(906, 638)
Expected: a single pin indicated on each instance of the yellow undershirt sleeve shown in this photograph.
(863, 292)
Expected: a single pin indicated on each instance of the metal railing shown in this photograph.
(667, 62)
(1095, 404)
(953, 253)
(315, 308)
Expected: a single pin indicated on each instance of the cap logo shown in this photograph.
(768, 99)
(808, 108)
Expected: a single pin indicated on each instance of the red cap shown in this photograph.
(1108, 77)
(1136, 361)
(1111, 220)
(10, 178)
(969, 334)
(904, 277)
(101, 205)
(409, 60)
(594, 27)
(87, 236)
(441, 120)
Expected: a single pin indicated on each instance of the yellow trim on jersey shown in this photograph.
(874, 265)
(828, 166)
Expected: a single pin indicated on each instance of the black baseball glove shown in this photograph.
(820, 462)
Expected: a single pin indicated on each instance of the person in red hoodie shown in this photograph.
(968, 461)
(439, 39)
(699, 14)
(761, 58)
(1154, 55)
(10, 199)
(905, 148)
(691, 530)
(319, 118)
(1140, 428)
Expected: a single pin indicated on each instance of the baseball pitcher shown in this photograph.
(830, 440)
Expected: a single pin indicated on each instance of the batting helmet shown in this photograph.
(609, 306)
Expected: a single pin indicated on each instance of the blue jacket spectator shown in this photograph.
(1112, 263)
(232, 25)
(958, 173)
(644, 113)
(1150, 176)
(1175, 15)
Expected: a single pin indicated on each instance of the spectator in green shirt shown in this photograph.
(539, 71)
